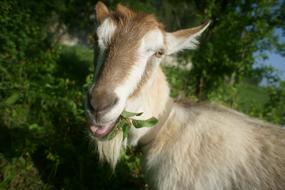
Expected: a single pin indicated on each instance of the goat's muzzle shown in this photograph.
(98, 104)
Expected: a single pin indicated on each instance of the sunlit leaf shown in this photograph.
(12, 99)
(127, 114)
(145, 123)
(125, 127)
(125, 123)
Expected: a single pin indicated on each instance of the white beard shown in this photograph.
(110, 150)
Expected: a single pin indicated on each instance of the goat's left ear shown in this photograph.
(184, 39)
(101, 11)
(125, 10)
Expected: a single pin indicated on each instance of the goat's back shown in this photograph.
(208, 147)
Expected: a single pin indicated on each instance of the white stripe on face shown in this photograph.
(105, 33)
(149, 44)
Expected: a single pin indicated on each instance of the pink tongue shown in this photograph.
(100, 130)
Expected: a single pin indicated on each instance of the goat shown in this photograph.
(195, 146)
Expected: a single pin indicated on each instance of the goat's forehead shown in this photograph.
(153, 39)
(133, 31)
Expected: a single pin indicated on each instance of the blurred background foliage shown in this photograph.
(43, 140)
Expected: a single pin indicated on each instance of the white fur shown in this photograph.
(111, 150)
(152, 42)
(105, 32)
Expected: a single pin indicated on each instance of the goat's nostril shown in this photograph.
(104, 103)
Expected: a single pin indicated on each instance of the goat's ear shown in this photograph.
(101, 11)
(125, 10)
(184, 39)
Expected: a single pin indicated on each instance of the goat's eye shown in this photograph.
(159, 53)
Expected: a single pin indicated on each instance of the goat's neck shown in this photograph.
(151, 100)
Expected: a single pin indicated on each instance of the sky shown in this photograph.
(275, 60)
(278, 62)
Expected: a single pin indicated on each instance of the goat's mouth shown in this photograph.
(102, 131)
(103, 127)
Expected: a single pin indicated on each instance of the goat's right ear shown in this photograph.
(101, 11)
(184, 39)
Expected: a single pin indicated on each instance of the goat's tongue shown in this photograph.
(101, 131)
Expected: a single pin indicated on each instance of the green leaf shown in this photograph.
(145, 123)
(113, 133)
(12, 99)
(127, 114)
(125, 128)
(124, 124)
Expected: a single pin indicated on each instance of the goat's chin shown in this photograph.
(110, 150)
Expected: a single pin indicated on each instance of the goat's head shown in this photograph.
(130, 47)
